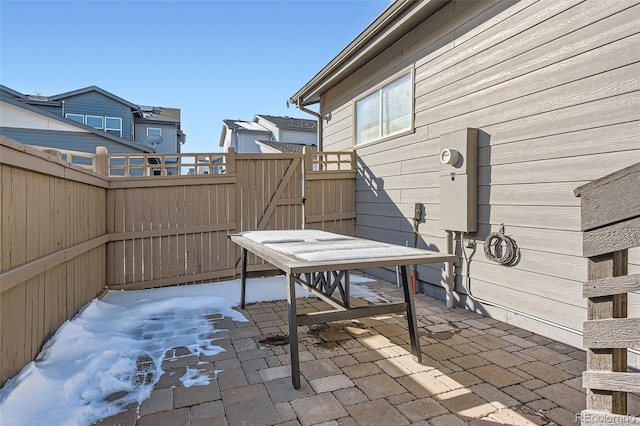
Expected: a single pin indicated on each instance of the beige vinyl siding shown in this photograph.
(553, 88)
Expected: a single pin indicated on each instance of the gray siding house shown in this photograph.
(536, 98)
(98, 108)
(163, 122)
(95, 108)
(268, 134)
(32, 125)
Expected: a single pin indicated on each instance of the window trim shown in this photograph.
(106, 129)
(154, 128)
(86, 121)
(76, 115)
(377, 88)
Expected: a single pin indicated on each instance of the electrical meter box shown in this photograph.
(459, 181)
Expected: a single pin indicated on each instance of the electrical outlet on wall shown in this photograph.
(418, 212)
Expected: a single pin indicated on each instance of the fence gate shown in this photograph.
(269, 190)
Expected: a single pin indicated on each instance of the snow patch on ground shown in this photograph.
(110, 354)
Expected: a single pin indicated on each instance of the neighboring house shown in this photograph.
(107, 113)
(268, 133)
(552, 88)
(32, 125)
(160, 121)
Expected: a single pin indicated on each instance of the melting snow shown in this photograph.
(110, 354)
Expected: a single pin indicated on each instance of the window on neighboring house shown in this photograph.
(154, 131)
(113, 125)
(95, 121)
(75, 117)
(386, 111)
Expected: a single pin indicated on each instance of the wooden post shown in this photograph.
(607, 266)
(102, 161)
(230, 165)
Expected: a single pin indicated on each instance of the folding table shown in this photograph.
(320, 261)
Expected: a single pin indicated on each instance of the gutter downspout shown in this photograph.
(315, 114)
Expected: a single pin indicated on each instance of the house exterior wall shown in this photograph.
(298, 136)
(15, 117)
(52, 109)
(553, 88)
(72, 141)
(94, 103)
(31, 128)
(246, 141)
(169, 143)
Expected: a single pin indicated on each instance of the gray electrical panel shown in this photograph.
(459, 181)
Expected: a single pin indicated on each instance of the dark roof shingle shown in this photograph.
(290, 122)
(286, 146)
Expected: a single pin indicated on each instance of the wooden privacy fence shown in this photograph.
(141, 221)
(53, 248)
(611, 224)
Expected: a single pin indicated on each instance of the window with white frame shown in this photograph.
(113, 125)
(95, 121)
(386, 111)
(154, 131)
(75, 117)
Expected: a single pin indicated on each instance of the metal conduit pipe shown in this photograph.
(449, 270)
(315, 114)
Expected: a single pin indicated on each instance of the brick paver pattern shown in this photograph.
(475, 371)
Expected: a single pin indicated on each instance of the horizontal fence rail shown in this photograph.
(85, 160)
(140, 165)
(129, 165)
(329, 160)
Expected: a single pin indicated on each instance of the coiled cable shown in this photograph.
(508, 255)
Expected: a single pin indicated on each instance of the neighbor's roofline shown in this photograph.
(95, 89)
(379, 30)
(13, 92)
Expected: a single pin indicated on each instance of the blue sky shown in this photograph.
(212, 59)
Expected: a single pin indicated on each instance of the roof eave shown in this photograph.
(386, 29)
(100, 90)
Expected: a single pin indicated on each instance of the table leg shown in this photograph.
(243, 278)
(414, 338)
(347, 289)
(293, 331)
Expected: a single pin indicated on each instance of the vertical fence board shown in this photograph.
(18, 231)
(13, 334)
(5, 220)
(165, 240)
(137, 217)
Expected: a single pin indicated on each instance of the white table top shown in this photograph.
(299, 251)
